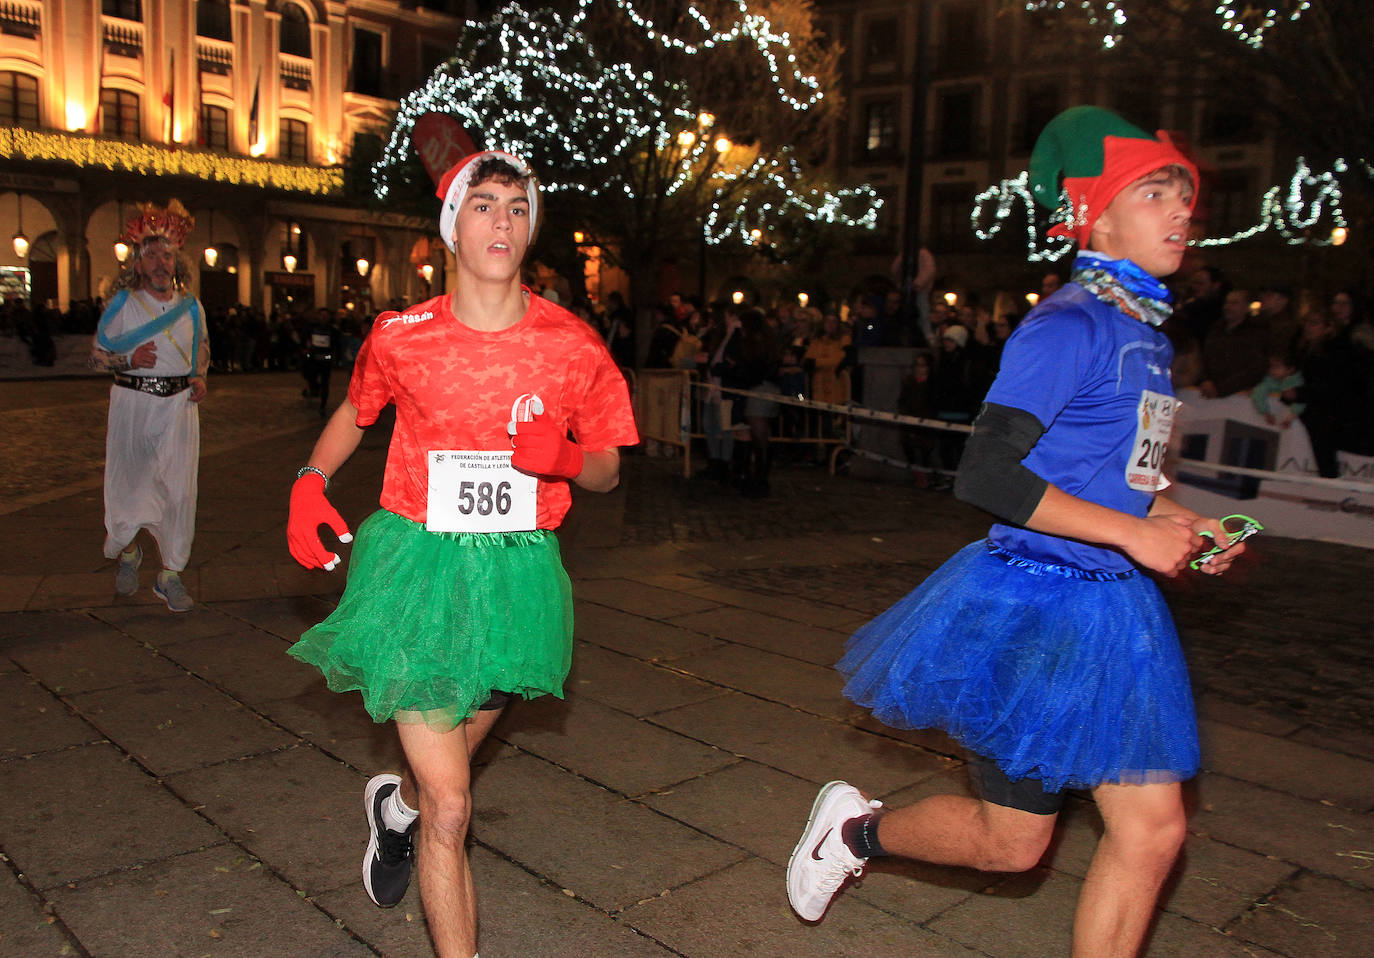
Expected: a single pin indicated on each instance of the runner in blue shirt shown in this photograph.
(1045, 650)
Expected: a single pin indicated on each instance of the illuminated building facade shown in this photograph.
(259, 115)
(964, 117)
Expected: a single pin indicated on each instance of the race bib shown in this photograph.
(1154, 422)
(476, 491)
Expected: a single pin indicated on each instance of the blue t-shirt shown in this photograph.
(1089, 374)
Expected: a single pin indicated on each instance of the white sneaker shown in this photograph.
(169, 589)
(822, 862)
(126, 576)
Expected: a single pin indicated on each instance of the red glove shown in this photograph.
(310, 510)
(544, 449)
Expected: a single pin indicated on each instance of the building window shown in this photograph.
(214, 127)
(951, 204)
(1039, 105)
(295, 31)
(882, 46)
(956, 129)
(119, 115)
(213, 20)
(293, 141)
(123, 9)
(960, 44)
(367, 62)
(880, 129)
(18, 100)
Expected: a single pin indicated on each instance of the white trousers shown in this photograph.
(152, 457)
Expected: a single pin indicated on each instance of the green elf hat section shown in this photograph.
(1097, 154)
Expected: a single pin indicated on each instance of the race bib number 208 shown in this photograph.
(1154, 423)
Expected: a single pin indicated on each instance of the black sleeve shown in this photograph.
(991, 475)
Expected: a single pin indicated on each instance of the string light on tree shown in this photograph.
(533, 83)
(1247, 21)
(1250, 23)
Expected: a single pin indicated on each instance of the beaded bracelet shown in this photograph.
(318, 472)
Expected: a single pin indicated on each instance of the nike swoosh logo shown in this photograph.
(815, 852)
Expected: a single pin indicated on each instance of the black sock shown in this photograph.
(861, 835)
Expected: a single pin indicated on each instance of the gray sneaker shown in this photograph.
(126, 576)
(169, 589)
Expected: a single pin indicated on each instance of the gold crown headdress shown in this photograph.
(154, 222)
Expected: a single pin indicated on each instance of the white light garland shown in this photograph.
(1008, 194)
(597, 118)
(1249, 22)
(1294, 217)
(1310, 198)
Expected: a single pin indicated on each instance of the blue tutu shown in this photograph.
(1071, 677)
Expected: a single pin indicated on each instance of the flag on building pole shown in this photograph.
(253, 115)
(169, 102)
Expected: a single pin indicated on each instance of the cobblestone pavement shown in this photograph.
(176, 785)
(1287, 633)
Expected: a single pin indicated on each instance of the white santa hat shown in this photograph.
(454, 186)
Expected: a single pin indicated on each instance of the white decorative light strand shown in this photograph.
(1007, 194)
(1310, 198)
(583, 120)
(750, 26)
(1249, 23)
(1296, 214)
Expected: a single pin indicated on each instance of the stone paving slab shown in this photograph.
(647, 601)
(25, 927)
(174, 724)
(1292, 767)
(1311, 916)
(33, 720)
(803, 745)
(250, 665)
(87, 811)
(338, 726)
(766, 675)
(600, 846)
(636, 635)
(151, 626)
(805, 642)
(218, 902)
(632, 685)
(1329, 841)
(788, 607)
(297, 811)
(743, 911)
(577, 733)
(89, 662)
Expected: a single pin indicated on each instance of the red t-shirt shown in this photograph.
(453, 387)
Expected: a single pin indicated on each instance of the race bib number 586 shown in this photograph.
(1154, 423)
(478, 491)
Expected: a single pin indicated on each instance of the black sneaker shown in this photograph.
(386, 866)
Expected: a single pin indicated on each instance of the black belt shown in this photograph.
(157, 385)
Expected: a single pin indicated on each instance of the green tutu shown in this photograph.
(432, 622)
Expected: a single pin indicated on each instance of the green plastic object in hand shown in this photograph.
(1245, 527)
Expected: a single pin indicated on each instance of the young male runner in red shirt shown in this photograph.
(457, 599)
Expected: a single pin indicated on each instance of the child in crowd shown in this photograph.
(1274, 397)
